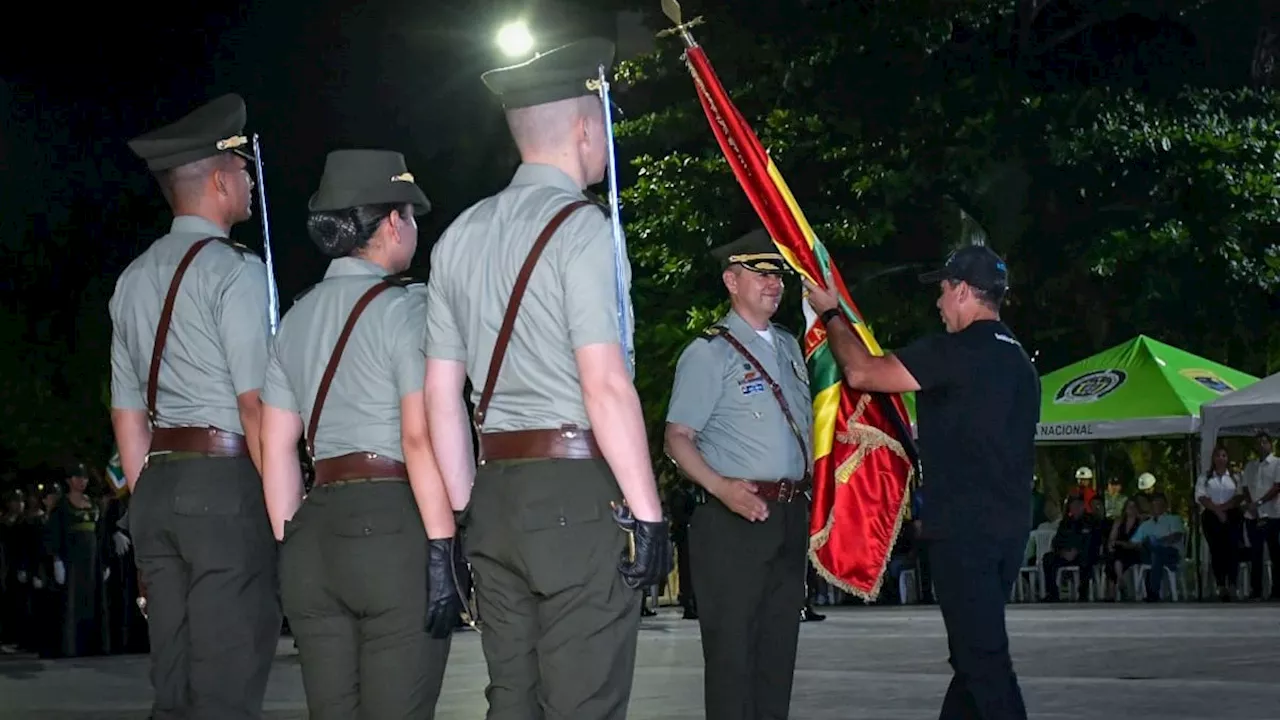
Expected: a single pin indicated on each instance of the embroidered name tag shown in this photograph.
(752, 387)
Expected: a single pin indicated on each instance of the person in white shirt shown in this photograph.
(1261, 481)
(1218, 493)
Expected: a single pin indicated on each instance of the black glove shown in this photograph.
(647, 559)
(444, 601)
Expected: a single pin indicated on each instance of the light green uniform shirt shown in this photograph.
(570, 302)
(742, 431)
(381, 364)
(217, 344)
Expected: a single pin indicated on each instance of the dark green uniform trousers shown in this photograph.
(559, 626)
(204, 546)
(353, 574)
(749, 579)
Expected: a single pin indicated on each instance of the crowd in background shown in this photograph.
(68, 584)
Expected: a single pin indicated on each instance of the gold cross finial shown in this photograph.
(671, 8)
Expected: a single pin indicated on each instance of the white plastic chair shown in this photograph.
(1175, 584)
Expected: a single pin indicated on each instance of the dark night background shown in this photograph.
(1042, 120)
(78, 206)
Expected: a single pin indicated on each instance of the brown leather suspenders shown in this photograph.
(513, 306)
(777, 393)
(166, 317)
(327, 378)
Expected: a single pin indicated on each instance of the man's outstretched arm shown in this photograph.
(861, 369)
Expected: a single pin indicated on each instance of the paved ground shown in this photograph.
(1189, 662)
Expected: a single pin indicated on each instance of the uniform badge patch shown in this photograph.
(751, 387)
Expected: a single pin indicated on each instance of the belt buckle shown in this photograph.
(569, 432)
(786, 491)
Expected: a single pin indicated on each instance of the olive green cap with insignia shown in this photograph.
(213, 128)
(755, 251)
(565, 72)
(367, 177)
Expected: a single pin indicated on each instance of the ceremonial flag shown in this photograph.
(861, 441)
(115, 475)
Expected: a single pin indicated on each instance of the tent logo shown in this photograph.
(1207, 378)
(1090, 387)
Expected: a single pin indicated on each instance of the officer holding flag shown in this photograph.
(188, 356)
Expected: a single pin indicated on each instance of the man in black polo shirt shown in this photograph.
(977, 405)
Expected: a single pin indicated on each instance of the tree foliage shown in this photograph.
(1131, 181)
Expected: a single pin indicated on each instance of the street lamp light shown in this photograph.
(514, 39)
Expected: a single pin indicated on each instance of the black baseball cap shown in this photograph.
(976, 265)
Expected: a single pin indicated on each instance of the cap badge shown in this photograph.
(232, 142)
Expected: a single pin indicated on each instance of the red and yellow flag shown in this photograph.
(862, 465)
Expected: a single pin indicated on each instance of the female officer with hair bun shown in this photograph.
(367, 560)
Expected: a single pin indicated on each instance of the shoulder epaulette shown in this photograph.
(298, 297)
(238, 247)
(599, 202)
(713, 332)
(402, 280)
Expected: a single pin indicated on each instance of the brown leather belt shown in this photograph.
(783, 491)
(568, 443)
(206, 441)
(357, 466)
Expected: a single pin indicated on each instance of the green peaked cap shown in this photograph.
(754, 251)
(565, 72)
(213, 128)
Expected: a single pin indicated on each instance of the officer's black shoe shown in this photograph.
(811, 615)
(690, 614)
(646, 612)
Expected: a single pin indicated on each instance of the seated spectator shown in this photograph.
(1072, 545)
(1102, 526)
(1122, 552)
(1115, 498)
(1084, 486)
(1160, 538)
(1146, 487)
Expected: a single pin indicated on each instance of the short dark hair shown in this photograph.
(990, 299)
(339, 233)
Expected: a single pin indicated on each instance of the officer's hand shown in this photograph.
(819, 299)
(444, 602)
(121, 542)
(648, 559)
(740, 497)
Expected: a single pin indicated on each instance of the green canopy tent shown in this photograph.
(1142, 389)
(1139, 389)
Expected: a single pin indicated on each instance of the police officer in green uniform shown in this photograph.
(188, 353)
(739, 424)
(561, 434)
(345, 372)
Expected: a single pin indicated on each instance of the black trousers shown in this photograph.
(1264, 533)
(684, 567)
(206, 553)
(1224, 545)
(972, 578)
(749, 578)
(1053, 562)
